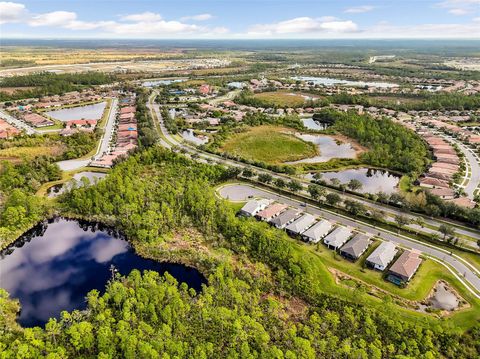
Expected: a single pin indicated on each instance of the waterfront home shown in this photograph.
(355, 247)
(403, 269)
(300, 224)
(316, 232)
(381, 257)
(337, 238)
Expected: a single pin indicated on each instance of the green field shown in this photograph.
(281, 98)
(269, 144)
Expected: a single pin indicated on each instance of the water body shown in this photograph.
(154, 83)
(328, 148)
(88, 112)
(311, 124)
(189, 135)
(328, 81)
(443, 298)
(76, 180)
(53, 267)
(373, 180)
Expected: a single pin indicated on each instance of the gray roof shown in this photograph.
(285, 217)
(318, 230)
(338, 237)
(383, 254)
(301, 224)
(356, 246)
(255, 205)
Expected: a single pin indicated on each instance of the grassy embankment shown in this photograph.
(281, 98)
(269, 144)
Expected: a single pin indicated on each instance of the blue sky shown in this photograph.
(229, 19)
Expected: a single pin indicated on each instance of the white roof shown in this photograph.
(302, 223)
(383, 254)
(338, 237)
(254, 205)
(318, 230)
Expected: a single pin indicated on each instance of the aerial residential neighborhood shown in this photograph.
(217, 179)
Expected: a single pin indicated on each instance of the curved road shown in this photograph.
(240, 192)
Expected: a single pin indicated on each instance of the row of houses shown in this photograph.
(7, 131)
(126, 135)
(350, 244)
(35, 119)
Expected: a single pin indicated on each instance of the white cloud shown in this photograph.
(458, 11)
(55, 18)
(199, 17)
(11, 12)
(303, 25)
(427, 31)
(143, 17)
(460, 7)
(359, 9)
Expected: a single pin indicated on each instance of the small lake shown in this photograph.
(52, 267)
(77, 179)
(154, 83)
(328, 81)
(373, 180)
(328, 147)
(88, 112)
(190, 136)
(311, 124)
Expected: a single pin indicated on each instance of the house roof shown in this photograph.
(285, 217)
(357, 245)
(253, 205)
(318, 230)
(383, 254)
(272, 210)
(338, 236)
(302, 223)
(406, 264)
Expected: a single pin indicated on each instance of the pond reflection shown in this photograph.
(53, 267)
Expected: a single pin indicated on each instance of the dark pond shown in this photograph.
(52, 267)
(373, 181)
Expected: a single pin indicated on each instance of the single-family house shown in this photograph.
(403, 269)
(381, 257)
(284, 218)
(251, 208)
(316, 232)
(355, 247)
(271, 211)
(300, 224)
(337, 237)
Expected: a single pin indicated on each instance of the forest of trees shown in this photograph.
(390, 145)
(147, 135)
(238, 315)
(45, 84)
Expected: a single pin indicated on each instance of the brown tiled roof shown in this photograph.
(406, 264)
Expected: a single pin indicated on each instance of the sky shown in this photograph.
(239, 19)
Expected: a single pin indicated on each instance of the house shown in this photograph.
(300, 224)
(204, 89)
(337, 238)
(251, 208)
(37, 121)
(382, 255)
(430, 182)
(271, 211)
(284, 218)
(316, 232)
(444, 193)
(356, 246)
(403, 269)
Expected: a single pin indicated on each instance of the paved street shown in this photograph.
(17, 123)
(241, 192)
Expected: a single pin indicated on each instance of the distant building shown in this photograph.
(271, 211)
(300, 224)
(285, 218)
(381, 257)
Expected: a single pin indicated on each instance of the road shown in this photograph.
(240, 192)
(462, 268)
(29, 130)
(474, 161)
(103, 145)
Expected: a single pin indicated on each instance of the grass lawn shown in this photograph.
(30, 152)
(269, 144)
(281, 98)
